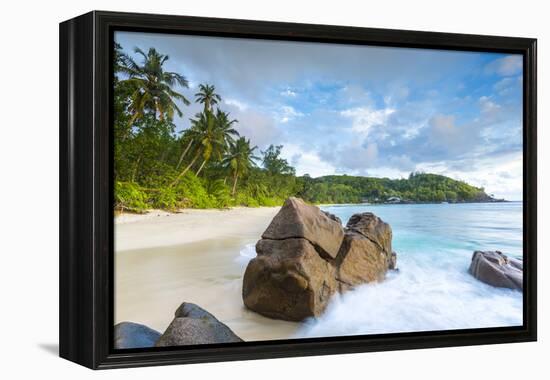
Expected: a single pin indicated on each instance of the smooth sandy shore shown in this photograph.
(198, 256)
(159, 228)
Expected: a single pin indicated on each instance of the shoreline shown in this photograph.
(158, 228)
(131, 217)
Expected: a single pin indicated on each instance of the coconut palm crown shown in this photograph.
(153, 86)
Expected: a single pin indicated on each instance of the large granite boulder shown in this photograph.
(134, 335)
(496, 269)
(332, 216)
(305, 256)
(296, 219)
(194, 325)
(374, 229)
(288, 280)
(361, 261)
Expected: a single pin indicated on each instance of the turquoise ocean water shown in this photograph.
(432, 289)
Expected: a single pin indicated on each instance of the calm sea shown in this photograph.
(432, 289)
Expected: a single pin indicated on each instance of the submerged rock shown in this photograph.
(194, 325)
(134, 335)
(393, 261)
(305, 256)
(496, 269)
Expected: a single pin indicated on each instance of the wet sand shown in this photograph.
(194, 256)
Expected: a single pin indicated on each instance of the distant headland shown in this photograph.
(417, 188)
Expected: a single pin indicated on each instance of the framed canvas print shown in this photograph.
(238, 189)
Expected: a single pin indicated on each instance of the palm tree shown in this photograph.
(222, 118)
(152, 86)
(218, 136)
(240, 160)
(187, 140)
(211, 142)
(207, 96)
(224, 126)
(200, 133)
(212, 136)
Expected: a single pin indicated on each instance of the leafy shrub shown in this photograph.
(129, 197)
(192, 193)
(220, 193)
(166, 198)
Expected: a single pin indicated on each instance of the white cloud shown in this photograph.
(353, 94)
(242, 106)
(354, 158)
(288, 113)
(357, 157)
(506, 66)
(446, 135)
(491, 112)
(306, 161)
(487, 105)
(508, 85)
(503, 83)
(256, 125)
(289, 93)
(365, 118)
(295, 159)
(396, 93)
(403, 162)
(443, 125)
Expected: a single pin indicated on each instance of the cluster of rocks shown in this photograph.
(496, 269)
(191, 325)
(306, 255)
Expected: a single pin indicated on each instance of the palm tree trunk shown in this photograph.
(183, 154)
(163, 155)
(186, 169)
(134, 172)
(202, 165)
(235, 178)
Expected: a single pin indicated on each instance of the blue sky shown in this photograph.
(359, 110)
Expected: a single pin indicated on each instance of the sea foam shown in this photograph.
(246, 254)
(418, 298)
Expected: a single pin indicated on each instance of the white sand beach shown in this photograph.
(159, 228)
(163, 259)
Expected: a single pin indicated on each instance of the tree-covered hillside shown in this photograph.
(210, 165)
(419, 187)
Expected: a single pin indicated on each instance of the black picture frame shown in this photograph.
(86, 189)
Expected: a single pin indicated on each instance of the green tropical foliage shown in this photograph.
(207, 95)
(209, 165)
(239, 160)
(152, 86)
(417, 188)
